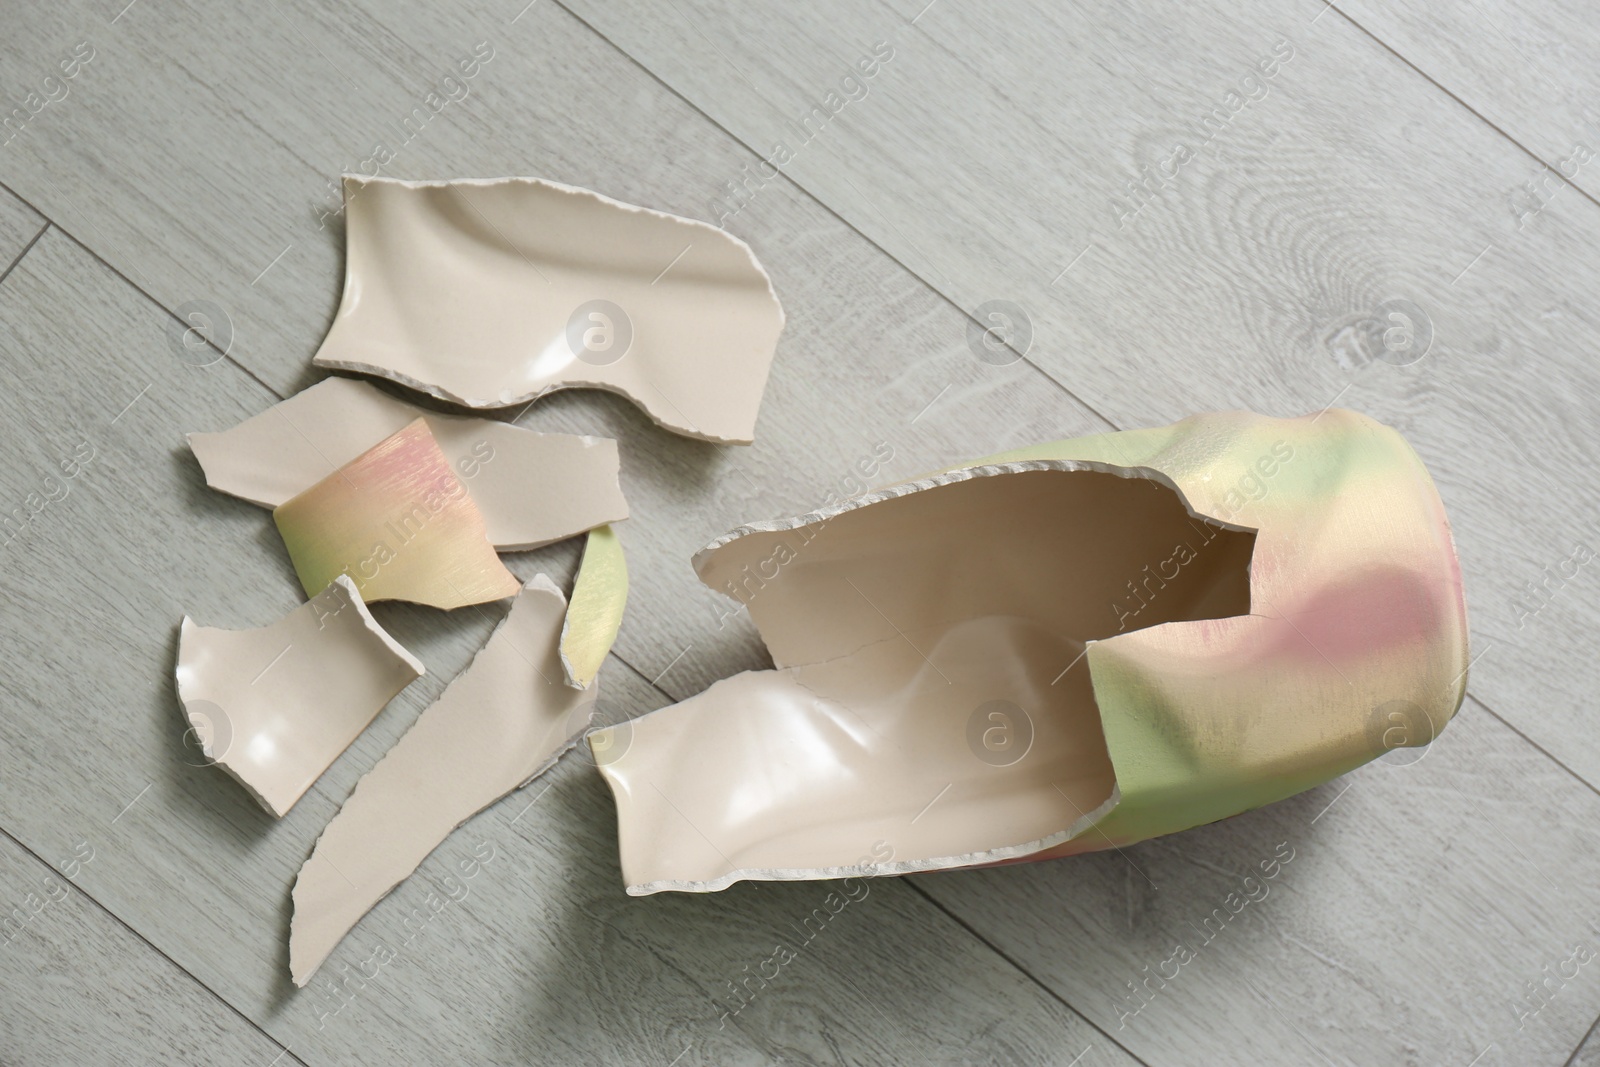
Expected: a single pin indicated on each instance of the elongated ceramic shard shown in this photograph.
(598, 597)
(500, 723)
(1066, 648)
(490, 293)
(532, 488)
(398, 521)
(274, 707)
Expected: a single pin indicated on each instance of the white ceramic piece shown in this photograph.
(532, 488)
(274, 707)
(910, 626)
(1077, 646)
(500, 723)
(493, 292)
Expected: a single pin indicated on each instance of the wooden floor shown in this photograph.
(1441, 911)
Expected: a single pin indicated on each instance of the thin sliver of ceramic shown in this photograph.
(497, 725)
(595, 616)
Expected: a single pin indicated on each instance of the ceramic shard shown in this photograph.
(490, 293)
(398, 521)
(499, 724)
(598, 597)
(532, 488)
(1067, 648)
(274, 707)
(904, 623)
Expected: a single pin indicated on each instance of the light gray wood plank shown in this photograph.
(1425, 904)
(1352, 182)
(542, 957)
(1588, 1054)
(870, 356)
(19, 225)
(1343, 233)
(1525, 65)
(996, 147)
(81, 989)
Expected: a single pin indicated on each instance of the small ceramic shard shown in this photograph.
(490, 293)
(598, 597)
(532, 488)
(499, 724)
(274, 707)
(399, 522)
(1067, 648)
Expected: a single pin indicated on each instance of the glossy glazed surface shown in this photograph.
(398, 521)
(498, 724)
(599, 596)
(532, 488)
(927, 715)
(275, 706)
(1219, 669)
(493, 292)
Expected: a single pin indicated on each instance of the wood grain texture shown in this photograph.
(997, 146)
(538, 954)
(1525, 65)
(1425, 904)
(81, 989)
(870, 356)
(1588, 1054)
(19, 225)
(194, 155)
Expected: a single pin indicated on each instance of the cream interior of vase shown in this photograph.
(930, 704)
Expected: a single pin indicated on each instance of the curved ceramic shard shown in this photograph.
(499, 724)
(532, 488)
(274, 707)
(494, 292)
(398, 521)
(953, 607)
(815, 737)
(598, 597)
(1113, 634)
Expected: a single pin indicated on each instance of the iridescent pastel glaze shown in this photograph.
(599, 595)
(399, 522)
(1356, 642)
(1056, 650)
(532, 488)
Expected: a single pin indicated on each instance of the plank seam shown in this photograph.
(1058, 998)
(98, 258)
(1474, 112)
(92, 899)
(1538, 747)
(1584, 1040)
(4, 274)
(924, 282)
